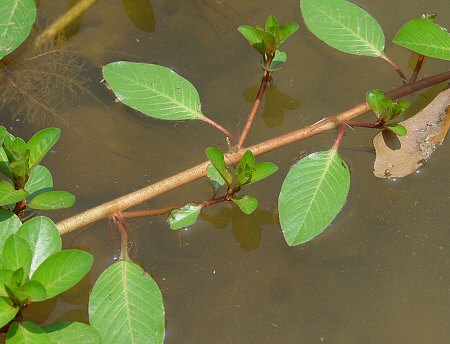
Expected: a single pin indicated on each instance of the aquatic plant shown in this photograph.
(312, 195)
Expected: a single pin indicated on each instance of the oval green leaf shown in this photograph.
(184, 217)
(26, 332)
(39, 181)
(424, 37)
(43, 239)
(9, 195)
(218, 161)
(31, 291)
(16, 20)
(72, 332)
(9, 224)
(344, 26)
(52, 200)
(253, 37)
(40, 144)
(62, 270)
(397, 129)
(154, 90)
(262, 171)
(248, 204)
(312, 194)
(7, 311)
(17, 254)
(126, 306)
(215, 179)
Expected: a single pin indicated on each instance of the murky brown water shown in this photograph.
(380, 273)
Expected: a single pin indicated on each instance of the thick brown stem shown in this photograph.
(109, 208)
(257, 103)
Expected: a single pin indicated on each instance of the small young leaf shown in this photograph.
(344, 26)
(215, 179)
(374, 99)
(2, 134)
(280, 57)
(285, 31)
(5, 280)
(272, 25)
(39, 181)
(17, 254)
(7, 311)
(397, 129)
(40, 144)
(253, 37)
(52, 200)
(126, 306)
(312, 194)
(31, 291)
(18, 278)
(262, 171)
(154, 90)
(218, 161)
(245, 168)
(424, 37)
(247, 204)
(26, 332)
(184, 217)
(62, 270)
(9, 195)
(4, 163)
(43, 239)
(270, 44)
(72, 332)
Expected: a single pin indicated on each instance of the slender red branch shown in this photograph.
(417, 69)
(219, 127)
(395, 67)
(339, 136)
(264, 81)
(120, 222)
(361, 124)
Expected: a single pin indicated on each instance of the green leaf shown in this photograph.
(26, 332)
(16, 20)
(41, 143)
(17, 254)
(253, 37)
(6, 277)
(18, 278)
(374, 99)
(215, 179)
(52, 200)
(31, 291)
(184, 217)
(280, 57)
(62, 270)
(2, 134)
(424, 37)
(7, 311)
(72, 332)
(9, 224)
(397, 129)
(39, 181)
(344, 26)
(4, 163)
(262, 171)
(9, 195)
(247, 204)
(285, 31)
(126, 306)
(43, 239)
(155, 91)
(272, 25)
(218, 161)
(269, 41)
(312, 194)
(245, 168)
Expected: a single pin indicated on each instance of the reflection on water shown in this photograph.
(379, 274)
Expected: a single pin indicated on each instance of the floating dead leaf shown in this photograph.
(401, 156)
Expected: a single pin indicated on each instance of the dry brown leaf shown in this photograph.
(400, 156)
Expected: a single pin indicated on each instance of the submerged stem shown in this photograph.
(127, 201)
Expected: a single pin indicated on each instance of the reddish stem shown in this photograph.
(257, 103)
(361, 124)
(417, 69)
(395, 67)
(219, 127)
(339, 136)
